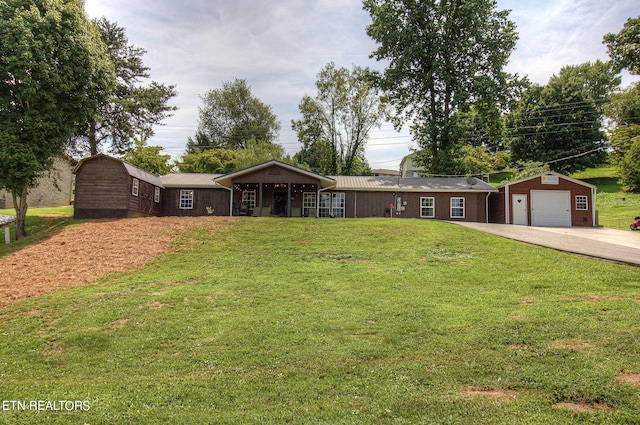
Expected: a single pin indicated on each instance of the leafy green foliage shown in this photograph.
(148, 158)
(624, 47)
(210, 161)
(258, 152)
(131, 109)
(442, 57)
(230, 117)
(624, 112)
(54, 76)
(560, 123)
(335, 124)
(630, 166)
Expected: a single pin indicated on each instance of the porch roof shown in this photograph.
(227, 179)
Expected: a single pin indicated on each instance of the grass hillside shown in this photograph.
(374, 321)
(616, 209)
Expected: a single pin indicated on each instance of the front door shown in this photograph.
(279, 204)
(520, 210)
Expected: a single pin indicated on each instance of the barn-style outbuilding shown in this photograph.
(108, 187)
(547, 199)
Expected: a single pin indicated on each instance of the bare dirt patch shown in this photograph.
(630, 378)
(89, 251)
(571, 344)
(495, 393)
(599, 298)
(582, 407)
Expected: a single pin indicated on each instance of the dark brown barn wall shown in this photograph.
(143, 204)
(101, 184)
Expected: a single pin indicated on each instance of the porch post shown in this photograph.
(289, 200)
(260, 200)
(231, 201)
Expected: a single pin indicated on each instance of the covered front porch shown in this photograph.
(274, 199)
(275, 189)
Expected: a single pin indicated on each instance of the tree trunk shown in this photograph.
(20, 205)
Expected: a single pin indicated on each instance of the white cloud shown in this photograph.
(280, 45)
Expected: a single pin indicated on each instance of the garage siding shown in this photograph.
(502, 212)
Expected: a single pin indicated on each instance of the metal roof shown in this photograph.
(142, 175)
(132, 170)
(550, 173)
(191, 180)
(413, 184)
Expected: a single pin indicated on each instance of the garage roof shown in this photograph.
(550, 173)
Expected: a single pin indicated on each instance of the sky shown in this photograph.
(279, 46)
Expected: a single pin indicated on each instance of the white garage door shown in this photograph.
(550, 208)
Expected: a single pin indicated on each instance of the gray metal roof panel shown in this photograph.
(191, 181)
(414, 184)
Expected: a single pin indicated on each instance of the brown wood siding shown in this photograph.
(376, 204)
(144, 204)
(578, 218)
(218, 199)
(497, 210)
(276, 174)
(102, 183)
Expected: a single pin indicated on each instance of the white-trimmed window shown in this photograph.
(135, 187)
(309, 204)
(325, 205)
(427, 207)
(582, 203)
(338, 203)
(156, 195)
(332, 205)
(457, 207)
(186, 199)
(249, 199)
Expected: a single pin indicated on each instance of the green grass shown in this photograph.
(34, 212)
(40, 224)
(616, 208)
(272, 321)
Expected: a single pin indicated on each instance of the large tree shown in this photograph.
(232, 116)
(442, 57)
(335, 124)
(624, 47)
(148, 158)
(131, 109)
(561, 123)
(54, 73)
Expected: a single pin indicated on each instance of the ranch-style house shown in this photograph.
(108, 187)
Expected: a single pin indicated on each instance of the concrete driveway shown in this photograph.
(609, 244)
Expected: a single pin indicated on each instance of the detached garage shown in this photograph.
(548, 199)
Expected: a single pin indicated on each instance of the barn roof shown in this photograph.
(413, 184)
(132, 170)
(191, 181)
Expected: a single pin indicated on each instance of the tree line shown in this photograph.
(76, 86)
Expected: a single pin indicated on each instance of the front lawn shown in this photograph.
(375, 321)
